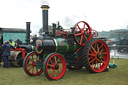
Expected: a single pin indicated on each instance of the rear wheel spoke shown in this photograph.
(104, 53)
(93, 49)
(97, 48)
(92, 61)
(102, 61)
(101, 46)
(91, 54)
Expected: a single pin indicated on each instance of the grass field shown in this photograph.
(115, 76)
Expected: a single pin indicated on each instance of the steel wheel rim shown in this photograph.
(56, 66)
(83, 33)
(98, 56)
(30, 66)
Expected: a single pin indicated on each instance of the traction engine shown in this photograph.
(58, 49)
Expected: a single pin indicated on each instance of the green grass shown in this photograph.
(115, 76)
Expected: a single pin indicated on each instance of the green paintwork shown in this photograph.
(14, 36)
(63, 47)
(39, 67)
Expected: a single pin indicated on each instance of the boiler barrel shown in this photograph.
(60, 45)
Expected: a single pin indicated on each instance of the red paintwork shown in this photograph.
(94, 33)
(20, 49)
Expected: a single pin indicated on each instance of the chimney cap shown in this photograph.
(28, 22)
(45, 7)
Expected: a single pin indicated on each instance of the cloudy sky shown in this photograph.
(100, 14)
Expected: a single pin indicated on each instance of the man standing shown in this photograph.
(6, 53)
(1, 52)
(12, 42)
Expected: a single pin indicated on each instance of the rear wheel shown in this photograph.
(54, 66)
(29, 64)
(96, 55)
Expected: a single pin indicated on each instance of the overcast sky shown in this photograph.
(100, 14)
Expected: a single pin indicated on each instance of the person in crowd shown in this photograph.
(1, 52)
(6, 53)
(17, 43)
(12, 42)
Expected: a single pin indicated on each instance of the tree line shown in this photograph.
(118, 33)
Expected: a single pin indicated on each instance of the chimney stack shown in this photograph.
(45, 18)
(28, 32)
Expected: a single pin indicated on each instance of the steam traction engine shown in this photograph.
(58, 50)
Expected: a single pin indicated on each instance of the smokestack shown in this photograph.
(28, 32)
(45, 18)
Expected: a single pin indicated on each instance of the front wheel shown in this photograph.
(29, 64)
(54, 66)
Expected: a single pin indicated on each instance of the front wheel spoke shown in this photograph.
(58, 59)
(30, 68)
(29, 64)
(49, 69)
(33, 70)
(60, 68)
(31, 60)
(51, 61)
(50, 65)
(59, 64)
(55, 59)
(54, 73)
(58, 71)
